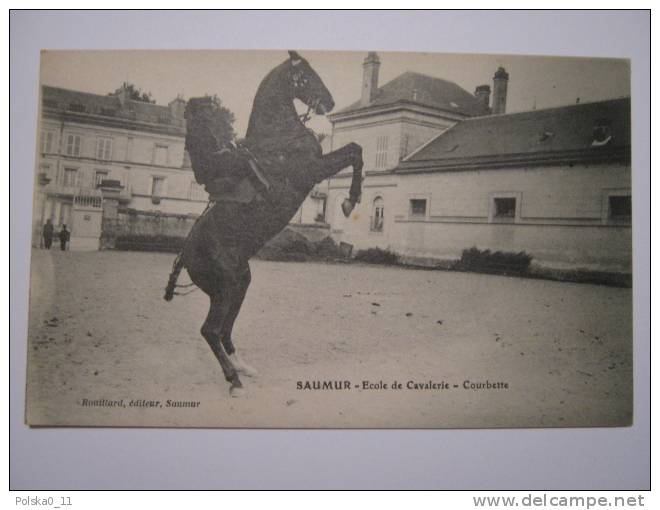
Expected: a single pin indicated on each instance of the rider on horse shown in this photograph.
(255, 187)
(228, 171)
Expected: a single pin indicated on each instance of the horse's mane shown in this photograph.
(273, 111)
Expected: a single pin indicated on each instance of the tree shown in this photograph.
(134, 93)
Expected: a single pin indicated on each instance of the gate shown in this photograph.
(86, 219)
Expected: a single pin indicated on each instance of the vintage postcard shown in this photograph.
(321, 239)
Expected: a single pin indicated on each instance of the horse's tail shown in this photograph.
(174, 276)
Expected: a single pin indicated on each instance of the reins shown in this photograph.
(305, 116)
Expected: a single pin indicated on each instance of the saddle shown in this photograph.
(238, 176)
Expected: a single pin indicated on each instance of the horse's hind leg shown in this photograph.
(211, 333)
(242, 284)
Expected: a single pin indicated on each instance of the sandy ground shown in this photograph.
(99, 329)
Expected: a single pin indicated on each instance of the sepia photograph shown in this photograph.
(330, 239)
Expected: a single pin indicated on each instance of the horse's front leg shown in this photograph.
(335, 161)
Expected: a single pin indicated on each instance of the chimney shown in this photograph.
(482, 93)
(500, 82)
(370, 68)
(177, 109)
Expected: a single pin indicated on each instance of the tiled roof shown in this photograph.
(426, 91)
(105, 106)
(538, 132)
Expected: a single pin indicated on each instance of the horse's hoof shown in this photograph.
(242, 367)
(236, 391)
(347, 207)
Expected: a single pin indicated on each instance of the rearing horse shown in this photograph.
(220, 244)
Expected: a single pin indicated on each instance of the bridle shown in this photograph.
(299, 81)
(304, 118)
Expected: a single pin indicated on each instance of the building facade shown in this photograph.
(390, 122)
(95, 148)
(553, 183)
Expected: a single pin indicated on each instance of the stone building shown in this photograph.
(446, 170)
(111, 151)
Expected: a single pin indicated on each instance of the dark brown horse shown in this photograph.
(219, 246)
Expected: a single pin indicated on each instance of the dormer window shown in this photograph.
(453, 104)
(602, 133)
(76, 107)
(452, 148)
(546, 135)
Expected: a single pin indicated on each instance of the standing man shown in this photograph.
(65, 235)
(48, 232)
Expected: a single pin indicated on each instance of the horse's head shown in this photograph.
(308, 86)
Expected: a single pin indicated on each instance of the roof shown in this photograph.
(532, 134)
(108, 107)
(423, 90)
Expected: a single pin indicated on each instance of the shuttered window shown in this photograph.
(382, 143)
(104, 149)
(69, 177)
(47, 138)
(73, 145)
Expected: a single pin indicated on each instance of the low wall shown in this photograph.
(144, 224)
(600, 248)
(155, 231)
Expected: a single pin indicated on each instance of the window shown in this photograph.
(160, 155)
(197, 192)
(418, 207)
(321, 205)
(158, 187)
(73, 145)
(377, 218)
(505, 208)
(104, 149)
(47, 138)
(99, 177)
(620, 208)
(69, 178)
(381, 151)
